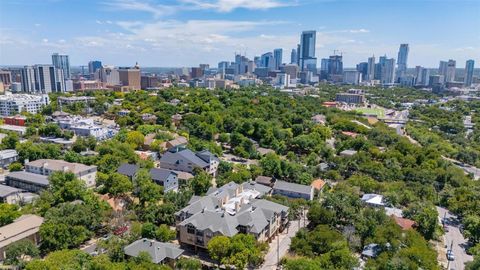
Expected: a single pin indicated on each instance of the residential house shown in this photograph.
(28, 181)
(373, 200)
(166, 178)
(7, 157)
(186, 161)
(371, 251)
(123, 113)
(177, 119)
(12, 195)
(20, 130)
(293, 190)
(229, 210)
(318, 185)
(160, 253)
(265, 180)
(150, 118)
(24, 227)
(348, 153)
(176, 144)
(47, 166)
(404, 223)
(319, 119)
(129, 170)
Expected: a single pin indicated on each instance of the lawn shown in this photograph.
(379, 112)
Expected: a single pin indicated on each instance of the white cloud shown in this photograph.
(361, 30)
(157, 10)
(229, 5)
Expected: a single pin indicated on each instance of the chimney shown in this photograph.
(237, 207)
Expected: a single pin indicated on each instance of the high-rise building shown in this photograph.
(335, 65)
(442, 69)
(130, 77)
(324, 68)
(387, 70)
(351, 77)
(293, 56)
(268, 61)
(402, 60)
(60, 61)
(291, 70)
(451, 68)
(94, 66)
(298, 55)
(469, 66)
(363, 69)
(42, 79)
(278, 58)
(371, 68)
(308, 61)
(422, 76)
(108, 75)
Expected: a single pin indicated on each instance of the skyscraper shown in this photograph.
(293, 56)
(278, 58)
(60, 61)
(451, 68)
(363, 69)
(387, 70)
(267, 60)
(371, 68)
(422, 76)
(42, 79)
(469, 66)
(402, 60)
(335, 65)
(308, 61)
(94, 66)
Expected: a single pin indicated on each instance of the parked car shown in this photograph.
(450, 255)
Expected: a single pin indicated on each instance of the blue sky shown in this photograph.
(178, 33)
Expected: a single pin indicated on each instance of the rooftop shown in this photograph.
(158, 251)
(21, 228)
(287, 186)
(28, 177)
(60, 165)
(6, 191)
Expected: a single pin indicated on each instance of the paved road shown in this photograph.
(454, 236)
(466, 167)
(284, 240)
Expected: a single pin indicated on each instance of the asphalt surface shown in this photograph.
(454, 239)
(284, 241)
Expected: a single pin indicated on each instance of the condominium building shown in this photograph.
(49, 166)
(229, 210)
(17, 103)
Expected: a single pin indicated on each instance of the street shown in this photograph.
(455, 239)
(284, 239)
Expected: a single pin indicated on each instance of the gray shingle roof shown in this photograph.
(128, 169)
(258, 187)
(184, 156)
(206, 156)
(6, 191)
(282, 185)
(158, 251)
(28, 177)
(160, 174)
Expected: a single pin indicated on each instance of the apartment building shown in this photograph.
(48, 166)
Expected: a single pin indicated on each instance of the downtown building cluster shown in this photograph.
(268, 68)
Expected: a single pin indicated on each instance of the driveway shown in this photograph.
(454, 239)
(284, 239)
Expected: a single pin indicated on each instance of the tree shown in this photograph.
(63, 259)
(145, 189)
(8, 213)
(117, 184)
(425, 216)
(148, 230)
(135, 138)
(271, 165)
(10, 141)
(17, 253)
(472, 228)
(188, 264)
(164, 234)
(201, 182)
(15, 167)
(218, 248)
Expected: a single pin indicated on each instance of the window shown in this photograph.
(190, 229)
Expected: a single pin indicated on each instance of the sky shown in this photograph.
(176, 33)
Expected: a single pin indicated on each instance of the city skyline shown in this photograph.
(187, 32)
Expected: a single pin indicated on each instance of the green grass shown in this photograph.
(377, 111)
